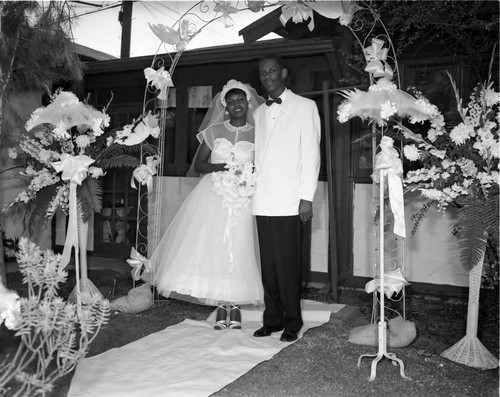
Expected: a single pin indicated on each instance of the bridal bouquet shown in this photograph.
(236, 185)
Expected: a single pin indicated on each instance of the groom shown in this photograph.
(287, 160)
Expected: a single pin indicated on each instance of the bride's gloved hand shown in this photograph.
(202, 162)
(219, 167)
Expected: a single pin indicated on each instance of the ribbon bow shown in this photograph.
(393, 283)
(74, 170)
(298, 12)
(144, 173)
(137, 261)
(160, 79)
(388, 159)
(376, 57)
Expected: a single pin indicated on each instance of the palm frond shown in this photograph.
(119, 161)
(477, 223)
(90, 197)
(37, 218)
(117, 156)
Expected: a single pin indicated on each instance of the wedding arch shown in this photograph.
(383, 100)
(380, 62)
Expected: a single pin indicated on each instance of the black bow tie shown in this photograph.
(269, 102)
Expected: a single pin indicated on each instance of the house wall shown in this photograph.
(431, 255)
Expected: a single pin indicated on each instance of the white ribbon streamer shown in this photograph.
(74, 170)
(388, 159)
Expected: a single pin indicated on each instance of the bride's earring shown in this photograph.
(226, 113)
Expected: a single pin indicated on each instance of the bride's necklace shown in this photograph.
(235, 129)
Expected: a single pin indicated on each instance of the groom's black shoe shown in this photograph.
(266, 331)
(288, 336)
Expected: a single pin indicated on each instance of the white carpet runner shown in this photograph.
(186, 359)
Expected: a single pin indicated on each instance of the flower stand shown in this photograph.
(86, 286)
(469, 350)
(382, 324)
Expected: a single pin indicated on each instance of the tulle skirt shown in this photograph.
(197, 258)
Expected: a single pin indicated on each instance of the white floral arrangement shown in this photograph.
(70, 126)
(461, 160)
(236, 185)
(458, 162)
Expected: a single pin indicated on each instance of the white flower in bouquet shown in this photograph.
(82, 141)
(236, 185)
(12, 153)
(387, 109)
(411, 152)
(461, 133)
(96, 172)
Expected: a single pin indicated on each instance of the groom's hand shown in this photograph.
(305, 210)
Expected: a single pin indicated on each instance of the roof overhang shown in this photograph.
(270, 23)
(222, 54)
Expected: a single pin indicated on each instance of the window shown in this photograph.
(199, 100)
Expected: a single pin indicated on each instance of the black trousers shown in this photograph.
(279, 242)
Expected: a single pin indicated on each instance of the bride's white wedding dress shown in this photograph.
(193, 257)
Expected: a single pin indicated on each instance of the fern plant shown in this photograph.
(54, 334)
(477, 227)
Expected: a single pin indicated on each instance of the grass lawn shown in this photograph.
(323, 362)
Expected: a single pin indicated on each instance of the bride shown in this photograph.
(209, 250)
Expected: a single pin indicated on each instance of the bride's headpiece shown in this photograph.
(232, 85)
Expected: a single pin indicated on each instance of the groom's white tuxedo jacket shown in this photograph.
(287, 155)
